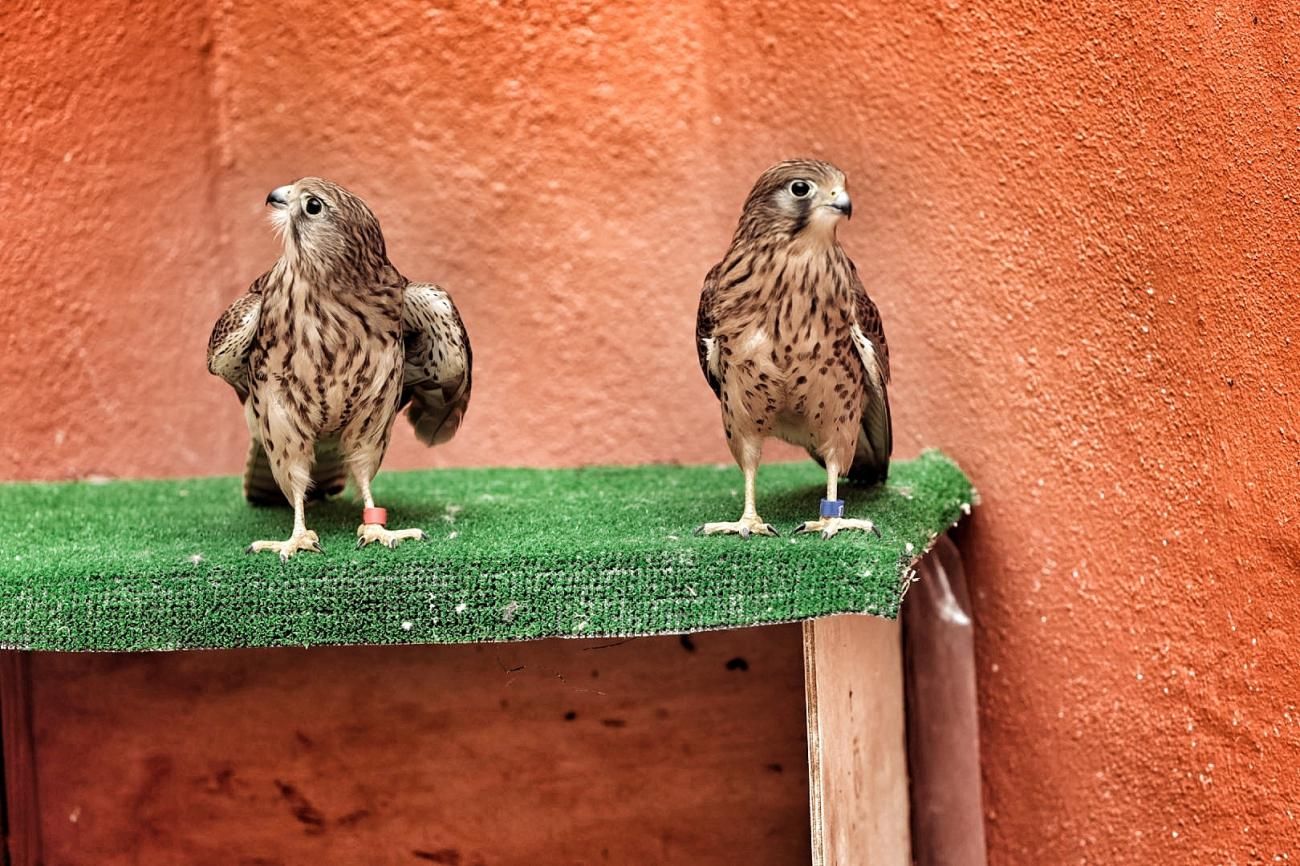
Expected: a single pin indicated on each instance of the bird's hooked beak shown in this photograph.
(279, 197)
(841, 202)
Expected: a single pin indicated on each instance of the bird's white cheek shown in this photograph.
(826, 217)
(279, 218)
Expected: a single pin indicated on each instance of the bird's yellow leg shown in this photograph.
(301, 539)
(749, 523)
(377, 531)
(831, 522)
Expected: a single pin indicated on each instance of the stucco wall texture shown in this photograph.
(1078, 219)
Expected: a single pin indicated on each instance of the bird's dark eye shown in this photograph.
(313, 205)
(801, 189)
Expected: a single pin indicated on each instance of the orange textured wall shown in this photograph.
(1079, 221)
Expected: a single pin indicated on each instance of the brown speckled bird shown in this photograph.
(325, 349)
(792, 345)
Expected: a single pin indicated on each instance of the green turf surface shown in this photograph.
(513, 554)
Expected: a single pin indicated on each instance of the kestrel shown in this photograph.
(792, 345)
(325, 349)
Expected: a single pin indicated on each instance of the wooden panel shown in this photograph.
(857, 758)
(21, 811)
(943, 748)
(649, 751)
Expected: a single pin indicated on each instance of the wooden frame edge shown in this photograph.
(22, 824)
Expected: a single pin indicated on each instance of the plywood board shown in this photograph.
(857, 755)
(21, 809)
(652, 751)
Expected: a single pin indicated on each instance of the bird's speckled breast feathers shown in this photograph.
(788, 338)
(332, 341)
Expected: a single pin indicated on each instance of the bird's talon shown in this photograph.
(699, 530)
(832, 526)
(746, 528)
(286, 549)
(390, 538)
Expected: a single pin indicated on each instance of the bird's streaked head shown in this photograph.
(325, 226)
(801, 198)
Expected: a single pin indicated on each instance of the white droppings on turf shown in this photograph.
(965, 508)
(460, 608)
(451, 536)
(407, 625)
(508, 612)
(195, 558)
(909, 547)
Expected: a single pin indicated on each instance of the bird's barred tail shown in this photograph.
(328, 476)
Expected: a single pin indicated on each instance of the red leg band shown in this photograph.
(375, 515)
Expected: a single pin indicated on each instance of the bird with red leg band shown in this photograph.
(334, 297)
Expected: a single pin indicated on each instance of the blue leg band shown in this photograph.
(832, 508)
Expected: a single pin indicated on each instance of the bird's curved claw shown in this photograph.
(305, 540)
(390, 538)
(829, 527)
(746, 527)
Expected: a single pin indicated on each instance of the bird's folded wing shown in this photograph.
(705, 344)
(437, 372)
(232, 339)
(876, 438)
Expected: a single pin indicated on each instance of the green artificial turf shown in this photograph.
(512, 554)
